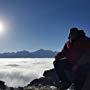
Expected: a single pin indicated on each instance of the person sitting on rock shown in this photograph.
(72, 56)
(82, 67)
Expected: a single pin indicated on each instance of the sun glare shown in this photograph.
(4, 27)
(1, 28)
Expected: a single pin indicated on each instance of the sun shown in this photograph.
(1, 28)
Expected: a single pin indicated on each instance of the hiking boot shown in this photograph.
(64, 86)
(72, 87)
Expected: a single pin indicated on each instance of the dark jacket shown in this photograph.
(73, 51)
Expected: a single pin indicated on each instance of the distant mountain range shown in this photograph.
(26, 54)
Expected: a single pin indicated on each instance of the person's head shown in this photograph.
(73, 35)
(82, 33)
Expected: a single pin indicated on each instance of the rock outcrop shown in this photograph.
(2, 85)
(49, 78)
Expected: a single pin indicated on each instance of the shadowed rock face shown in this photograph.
(2, 85)
(50, 73)
(49, 78)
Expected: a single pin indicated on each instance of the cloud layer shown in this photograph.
(19, 72)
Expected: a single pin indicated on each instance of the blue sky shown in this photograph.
(36, 24)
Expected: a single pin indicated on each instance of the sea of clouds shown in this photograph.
(20, 71)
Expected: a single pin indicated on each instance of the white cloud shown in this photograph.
(19, 72)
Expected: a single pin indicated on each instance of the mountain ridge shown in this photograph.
(41, 53)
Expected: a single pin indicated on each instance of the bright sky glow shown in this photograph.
(1, 28)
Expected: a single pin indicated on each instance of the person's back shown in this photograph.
(85, 42)
(85, 46)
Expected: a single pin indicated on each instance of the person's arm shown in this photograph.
(62, 53)
(84, 59)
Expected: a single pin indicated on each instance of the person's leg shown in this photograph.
(80, 77)
(60, 67)
(81, 73)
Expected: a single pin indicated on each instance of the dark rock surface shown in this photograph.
(2, 85)
(49, 78)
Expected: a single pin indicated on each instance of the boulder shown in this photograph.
(49, 78)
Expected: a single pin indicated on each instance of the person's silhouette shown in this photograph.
(70, 58)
